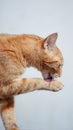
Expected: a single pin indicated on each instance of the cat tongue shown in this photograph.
(48, 80)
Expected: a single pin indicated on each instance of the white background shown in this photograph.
(43, 110)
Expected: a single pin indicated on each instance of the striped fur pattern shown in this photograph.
(18, 52)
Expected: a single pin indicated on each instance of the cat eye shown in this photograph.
(60, 65)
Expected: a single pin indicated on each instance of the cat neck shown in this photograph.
(32, 57)
(31, 52)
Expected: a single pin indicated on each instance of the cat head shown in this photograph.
(51, 58)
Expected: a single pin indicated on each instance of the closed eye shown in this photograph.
(60, 66)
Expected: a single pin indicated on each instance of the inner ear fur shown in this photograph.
(50, 41)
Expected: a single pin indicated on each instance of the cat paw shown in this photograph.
(56, 85)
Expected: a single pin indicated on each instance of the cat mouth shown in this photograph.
(49, 79)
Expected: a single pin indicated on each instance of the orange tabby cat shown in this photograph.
(18, 52)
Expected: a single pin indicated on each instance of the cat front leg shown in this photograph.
(40, 84)
(7, 114)
(24, 85)
(32, 84)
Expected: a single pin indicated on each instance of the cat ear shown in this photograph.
(50, 40)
